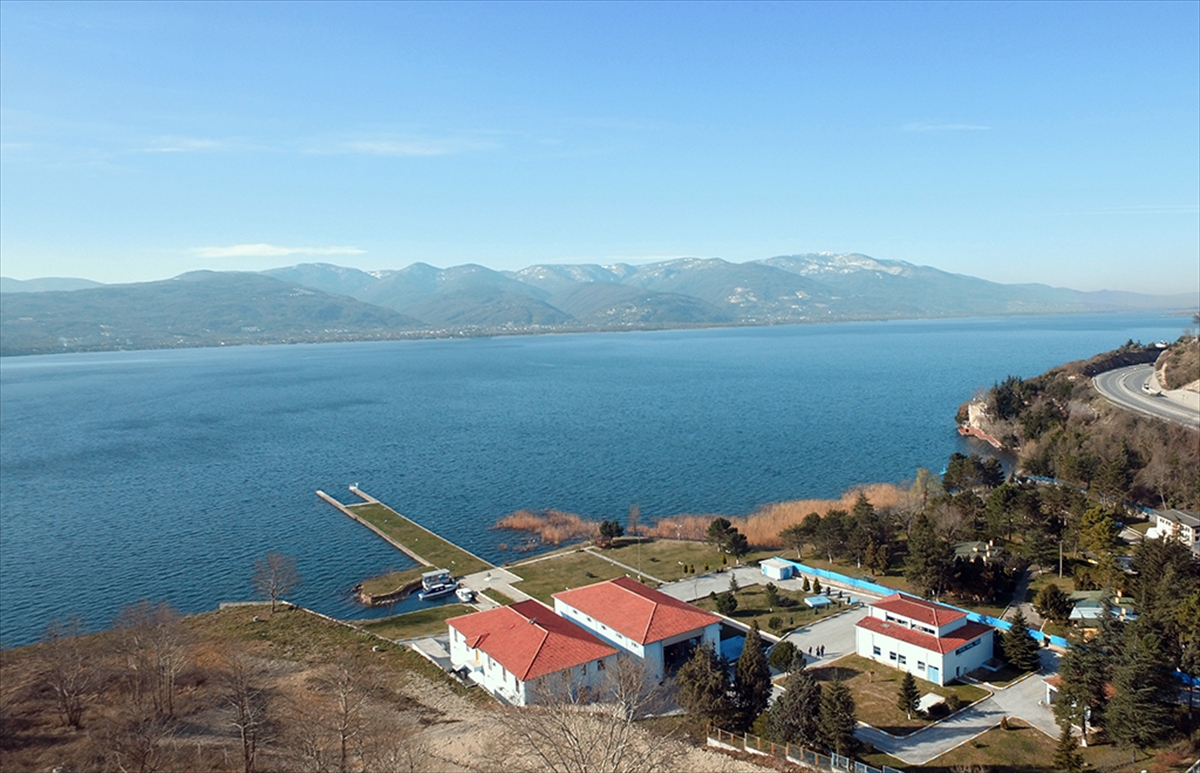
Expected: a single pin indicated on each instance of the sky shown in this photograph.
(1017, 142)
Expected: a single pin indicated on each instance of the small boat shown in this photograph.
(465, 594)
(436, 584)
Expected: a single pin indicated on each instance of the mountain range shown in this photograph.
(323, 302)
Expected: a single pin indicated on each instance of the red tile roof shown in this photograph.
(529, 640)
(634, 610)
(914, 608)
(951, 641)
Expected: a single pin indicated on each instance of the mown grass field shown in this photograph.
(543, 578)
(875, 688)
(665, 558)
(434, 549)
(423, 622)
(752, 605)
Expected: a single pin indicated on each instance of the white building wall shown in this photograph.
(615, 638)
(493, 677)
(900, 655)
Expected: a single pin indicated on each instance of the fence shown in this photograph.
(795, 754)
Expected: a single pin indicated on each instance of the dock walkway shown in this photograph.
(414, 540)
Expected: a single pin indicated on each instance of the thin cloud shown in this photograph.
(403, 148)
(186, 145)
(944, 127)
(271, 251)
(1152, 209)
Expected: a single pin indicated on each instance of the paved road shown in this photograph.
(1123, 387)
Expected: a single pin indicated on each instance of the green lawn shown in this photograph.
(392, 581)
(500, 598)
(545, 577)
(439, 552)
(1020, 749)
(662, 558)
(752, 605)
(875, 688)
(423, 622)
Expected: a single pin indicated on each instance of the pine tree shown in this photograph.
(1052, 604)
(929, 557)
(837, 718)
(703, 687)
(1084, 671)
(1020, 647)
(1067, 757)
(751, 680)
(816, 586)
(794, 717)
(1139, 714)
(783, 655)
(909, 695)
(806, 587)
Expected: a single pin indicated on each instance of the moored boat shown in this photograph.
(436, 584)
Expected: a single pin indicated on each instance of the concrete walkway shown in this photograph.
(499, 579)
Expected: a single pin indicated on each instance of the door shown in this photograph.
(933, 675)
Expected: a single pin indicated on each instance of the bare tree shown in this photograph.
(575, 729)
(330, 720)
(153, 643)
(274, 576)
(68, 668)
(136, 742)
(247, 704)
(631, 526)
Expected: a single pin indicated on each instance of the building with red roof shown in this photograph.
(931, 641)
(656, 628)
(524, 653)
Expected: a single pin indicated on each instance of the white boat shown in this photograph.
(465, 594)
(436, 584)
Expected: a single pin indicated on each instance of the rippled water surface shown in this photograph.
(164, 475)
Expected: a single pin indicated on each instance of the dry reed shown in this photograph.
(553, 527)
(761, 527)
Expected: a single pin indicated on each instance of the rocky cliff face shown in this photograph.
(1179, 366)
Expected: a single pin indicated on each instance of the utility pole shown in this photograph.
(1060, 559)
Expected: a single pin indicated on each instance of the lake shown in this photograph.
(166, 474)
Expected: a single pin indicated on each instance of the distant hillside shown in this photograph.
(198, 309)
(45, 284)
(690, 291)
(340, 303)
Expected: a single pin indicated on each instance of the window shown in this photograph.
(891, 656)
(600, 665)
(876, 651)
(920, 665)
(901, 660)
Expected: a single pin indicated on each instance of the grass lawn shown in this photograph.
(543, 578)
(662, 557)
(1066, 583)
(423, 622)
(500, 598)
(439, 552)
(752, 605)
(1020, 749)
(875, 687)
(392, 581)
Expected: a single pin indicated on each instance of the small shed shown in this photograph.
(818, 602)
(777, 569)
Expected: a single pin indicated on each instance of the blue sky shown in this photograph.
(1055, 143)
